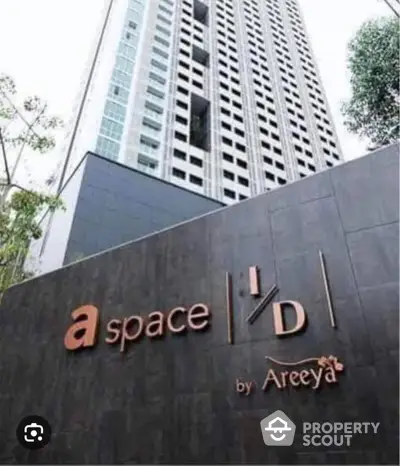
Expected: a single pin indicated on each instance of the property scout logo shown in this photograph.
(278, 429)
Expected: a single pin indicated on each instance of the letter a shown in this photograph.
(82, 334)
(278, 317)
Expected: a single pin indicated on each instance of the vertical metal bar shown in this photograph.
(76, 126)
(327, 289)
(229, 311)
(84, 97)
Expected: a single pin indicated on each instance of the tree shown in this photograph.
(374, 65)
(25, 127)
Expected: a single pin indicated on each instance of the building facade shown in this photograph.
(221, 97)
(108, 204)
(169, 389)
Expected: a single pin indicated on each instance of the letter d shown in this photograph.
(279, 321)
(83, 332)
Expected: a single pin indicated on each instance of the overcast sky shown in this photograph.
(44, 45)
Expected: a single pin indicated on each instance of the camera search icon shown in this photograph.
(33, 432)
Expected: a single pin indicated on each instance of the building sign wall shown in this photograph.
(173, 349)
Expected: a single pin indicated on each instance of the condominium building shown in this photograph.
(222, 97)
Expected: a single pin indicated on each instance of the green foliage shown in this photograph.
(24, 125)
(19, 223)
(374, 64)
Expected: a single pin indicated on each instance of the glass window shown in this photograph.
(118, 94)
(107, 148)
(121, 78)
(115, 111)
(111, 128)
(127, 50)
(124, 65)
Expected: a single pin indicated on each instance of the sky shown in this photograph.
(45, 45)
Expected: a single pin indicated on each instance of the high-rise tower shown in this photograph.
(222, 97)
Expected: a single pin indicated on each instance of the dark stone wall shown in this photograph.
(174, 400)
(117, 204)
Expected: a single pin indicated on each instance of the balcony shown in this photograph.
(155, 99)
(157, 70)
(157, 86)
(155, 116)
(148, 150)
(160, 63)
(152, 133)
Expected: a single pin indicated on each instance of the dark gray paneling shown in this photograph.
(357, 185)
(173, 401)
(117, 204)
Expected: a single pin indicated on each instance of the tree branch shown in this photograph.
(24, 143)
(15, 185)
(3, 150)
(19, 113)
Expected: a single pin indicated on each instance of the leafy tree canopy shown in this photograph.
(374, 65)
(24, 126)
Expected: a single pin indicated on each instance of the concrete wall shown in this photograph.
(117, 204)
(173, 400)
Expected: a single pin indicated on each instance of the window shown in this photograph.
(240, 147)
(179, 154)
(183, 77)
(181, 104)
(124, 65)
(227, 157)
(196, 161)
(229, 175)
(269, 176)
(183, 64)
(197, 84)
(239, 132)
(115, 111)
(182, 90)
(241, 163)
(196, 180)
(229, 193)
(178, 173)
(132, 25)
(180, 136)
(181, 120)
(107, 148)
(243, 181)
(111, 128)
